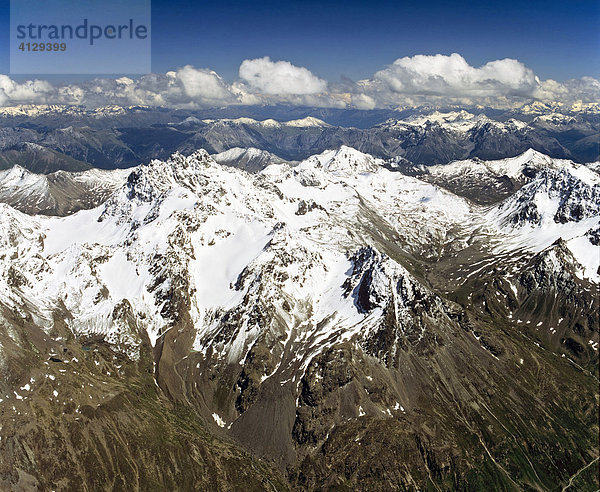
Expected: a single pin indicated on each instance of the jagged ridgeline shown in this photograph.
(344, 322)
(45, 139)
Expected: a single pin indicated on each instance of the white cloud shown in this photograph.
(188, 87)
(362, 101)
(30, 91)
(281, 77)
(443, 75)
(202, 84)
(550, 90)
(409, 81)
(586, 89)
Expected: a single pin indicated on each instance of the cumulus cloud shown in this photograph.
(585, 89)
(203, 84)
(280, 77)
(31, 91)
(409, 81)
(187, 87)
(452, 76)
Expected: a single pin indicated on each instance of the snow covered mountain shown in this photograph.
(487, 182)
(307, 122)
(250, 159)
(455, 121)
(47, 139)
(321, 312)
(59, 193)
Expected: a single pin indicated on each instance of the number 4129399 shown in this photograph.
(43, 47)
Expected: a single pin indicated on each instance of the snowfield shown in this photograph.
(284, 237)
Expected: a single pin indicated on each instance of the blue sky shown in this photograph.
(558, 40)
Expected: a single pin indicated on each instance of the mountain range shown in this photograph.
(46, 140)
(384, 321)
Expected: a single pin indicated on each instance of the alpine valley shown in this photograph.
(298, 305)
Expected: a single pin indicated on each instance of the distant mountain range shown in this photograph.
(46, 139)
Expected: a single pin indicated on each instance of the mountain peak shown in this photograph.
(309, 121)
(347, 160)
(553, 198)
(145, 182)
(250, 159)
(533, 155)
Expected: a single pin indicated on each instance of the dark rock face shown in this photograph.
(575, 200)
(305, 207)
(594, 236)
